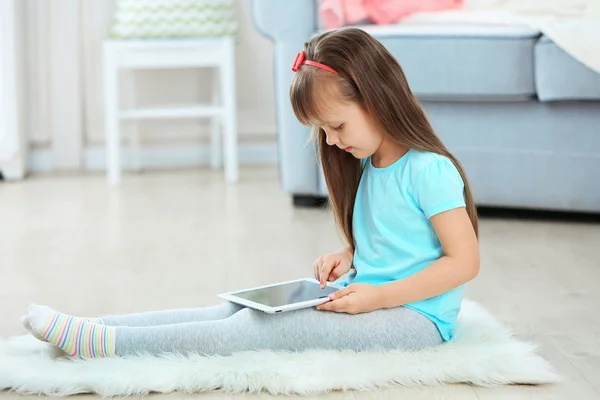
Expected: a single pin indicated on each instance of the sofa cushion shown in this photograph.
(558, 76)
(470, 62)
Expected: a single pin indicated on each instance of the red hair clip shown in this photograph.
(301, 60)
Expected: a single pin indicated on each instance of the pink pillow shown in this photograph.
(391, 11)
(337, 13)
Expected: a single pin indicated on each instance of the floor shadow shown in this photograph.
(537, 215)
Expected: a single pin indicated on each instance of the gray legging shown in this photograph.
(229, 328)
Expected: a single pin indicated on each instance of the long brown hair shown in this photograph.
(370, 76)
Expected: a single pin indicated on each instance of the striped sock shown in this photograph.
(77, 337)
(27, 325)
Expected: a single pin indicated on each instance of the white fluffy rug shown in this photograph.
(484, 353)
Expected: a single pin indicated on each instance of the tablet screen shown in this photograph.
(287, 293)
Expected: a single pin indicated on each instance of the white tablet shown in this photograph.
(284, 296)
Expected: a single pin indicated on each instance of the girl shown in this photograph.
(400, 198)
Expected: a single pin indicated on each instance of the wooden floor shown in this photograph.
(176, 239)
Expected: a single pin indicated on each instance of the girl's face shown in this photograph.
(352, 129)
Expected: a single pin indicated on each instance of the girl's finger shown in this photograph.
(324, 271)
(341, 293)
(335, 306)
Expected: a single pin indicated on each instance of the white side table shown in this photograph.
(156, 54)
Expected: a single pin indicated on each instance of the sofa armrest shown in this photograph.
(277, 19)
(289, 24)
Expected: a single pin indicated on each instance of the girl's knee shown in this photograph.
(233, 307)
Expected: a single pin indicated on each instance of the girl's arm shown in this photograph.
(459, 264)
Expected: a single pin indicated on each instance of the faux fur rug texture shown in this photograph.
(484, 353)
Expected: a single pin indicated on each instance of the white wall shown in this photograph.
(66, 107)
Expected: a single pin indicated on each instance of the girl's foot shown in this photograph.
(57, 352)
(75, 336)
(27, 325)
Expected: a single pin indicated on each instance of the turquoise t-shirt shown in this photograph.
(394, 237)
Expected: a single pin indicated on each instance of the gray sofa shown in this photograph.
(520, 114)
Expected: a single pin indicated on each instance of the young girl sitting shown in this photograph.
(400, 198)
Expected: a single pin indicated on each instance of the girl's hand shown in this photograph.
(354, 299)
(331, 266)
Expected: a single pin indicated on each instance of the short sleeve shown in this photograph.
(438, 187)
